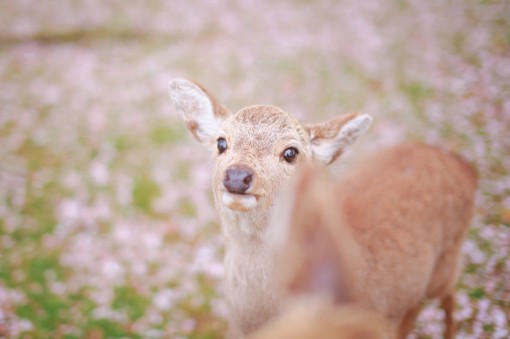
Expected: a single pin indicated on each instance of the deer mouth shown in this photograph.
(240, 202)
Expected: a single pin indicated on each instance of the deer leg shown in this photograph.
(407, 323)
(448, 305)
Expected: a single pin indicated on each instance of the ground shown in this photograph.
(107, 227)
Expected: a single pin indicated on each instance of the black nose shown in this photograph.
(238, 179)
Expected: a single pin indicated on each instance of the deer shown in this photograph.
(385, 237)
(405, 211)
(256, 150)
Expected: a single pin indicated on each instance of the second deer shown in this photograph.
(386, 237)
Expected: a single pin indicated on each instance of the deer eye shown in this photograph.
(290, 155)
(222, 145)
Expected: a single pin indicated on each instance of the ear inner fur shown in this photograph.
(199, 109)
(330, 139)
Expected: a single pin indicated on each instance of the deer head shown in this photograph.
(258, 148)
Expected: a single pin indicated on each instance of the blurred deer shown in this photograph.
(256, 149)
(312, 271)
(321, 319)
(386, 236)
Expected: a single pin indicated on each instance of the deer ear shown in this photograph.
(331, 138)
(200, 111)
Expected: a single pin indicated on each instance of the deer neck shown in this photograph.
(243, 225)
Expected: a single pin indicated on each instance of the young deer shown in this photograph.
(257, 149)
(386, 236)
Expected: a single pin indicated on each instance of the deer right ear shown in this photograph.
(331, 138)
(200, 111)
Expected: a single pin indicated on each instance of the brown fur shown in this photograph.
(322, 320)
(390, 233)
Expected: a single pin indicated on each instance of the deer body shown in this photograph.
(409, 210)
(390, 233)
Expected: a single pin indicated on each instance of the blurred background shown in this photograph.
(107, 227)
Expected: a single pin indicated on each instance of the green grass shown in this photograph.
(130, 302)
(145, 190)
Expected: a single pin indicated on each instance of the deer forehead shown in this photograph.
(264, 129)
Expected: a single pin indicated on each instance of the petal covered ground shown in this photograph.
(107, 226)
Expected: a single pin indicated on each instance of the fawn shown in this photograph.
(257, 149)
(386, 236)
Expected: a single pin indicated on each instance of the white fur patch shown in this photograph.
(194, 105)
(243, 202)
(326, 149)
(279, 221)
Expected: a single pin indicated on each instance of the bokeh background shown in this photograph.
(107, 227)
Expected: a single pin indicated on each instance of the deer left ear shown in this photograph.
(199, 109)
(331, 138)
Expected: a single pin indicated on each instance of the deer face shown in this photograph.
(258, 148)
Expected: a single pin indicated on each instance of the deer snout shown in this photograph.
(238, 179)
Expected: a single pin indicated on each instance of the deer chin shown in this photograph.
(239, 202)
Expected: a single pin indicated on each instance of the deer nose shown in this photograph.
(238, 179)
